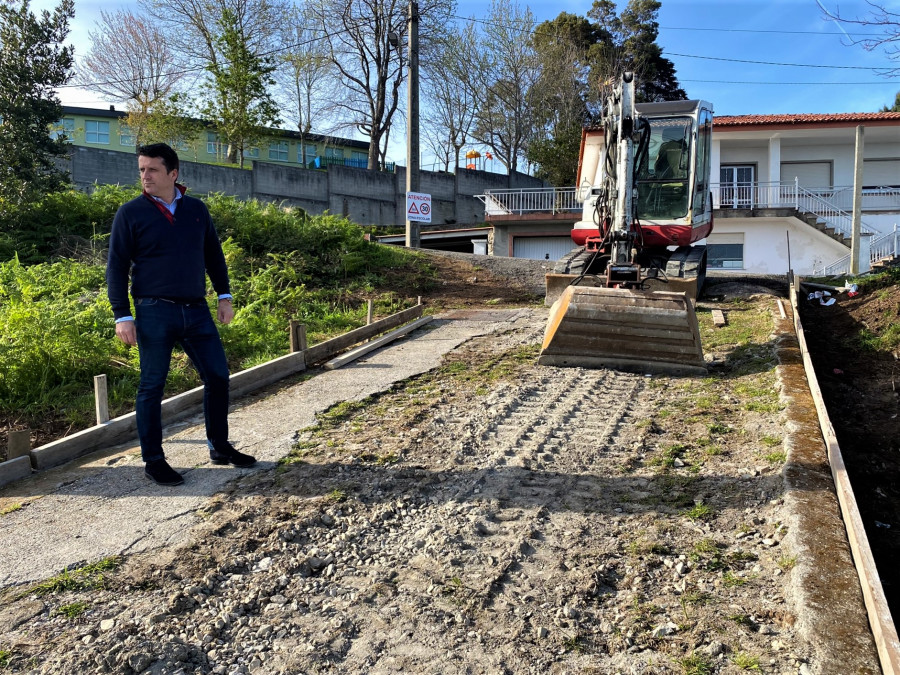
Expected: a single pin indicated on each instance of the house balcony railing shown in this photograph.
(883, 247)
(530, 200)
(830, 204)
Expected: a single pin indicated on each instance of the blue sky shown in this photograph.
(773, 31)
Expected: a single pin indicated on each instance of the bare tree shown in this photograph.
(887, 21)
(451, 93)
(194, 28)
(505, 121)
(129, 60)
(304, 75)
(366, 41)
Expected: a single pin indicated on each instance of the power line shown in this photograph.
(775, 63)
(799, 84)
(777, 32)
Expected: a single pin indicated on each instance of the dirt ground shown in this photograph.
(860, 387)
(492, 516)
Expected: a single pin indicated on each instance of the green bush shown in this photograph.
(56, 325)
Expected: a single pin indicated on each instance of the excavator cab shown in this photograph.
(624, 297)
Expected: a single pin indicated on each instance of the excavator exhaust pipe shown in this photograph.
(640, 331)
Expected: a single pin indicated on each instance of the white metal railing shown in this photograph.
(817, 201)
(884, 247)
(873, 198)
(529, 200)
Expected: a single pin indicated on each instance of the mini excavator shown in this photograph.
(624, 297)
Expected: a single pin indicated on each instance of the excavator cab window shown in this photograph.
(664, 172)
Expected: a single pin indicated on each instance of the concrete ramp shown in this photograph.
(640, 331)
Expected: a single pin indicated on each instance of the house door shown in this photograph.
(736, 187)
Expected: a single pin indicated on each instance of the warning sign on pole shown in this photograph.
(418, 207)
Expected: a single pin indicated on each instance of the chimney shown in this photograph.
(112, 108)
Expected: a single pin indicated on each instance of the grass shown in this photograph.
(741, 620)
(71, 611)
(776, 457)
(786, 562)
(770, 441)
(746, 661)
(669, 455)
(336, 496)
(82, 578)
(696, 664)
(732, 581)
(5, 656)
(700, 512)
(10, 509)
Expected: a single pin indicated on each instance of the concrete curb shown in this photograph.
(14, 469)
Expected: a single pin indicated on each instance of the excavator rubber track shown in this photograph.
(640, 331)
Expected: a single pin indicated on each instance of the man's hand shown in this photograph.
(225, 311)
(126, 333)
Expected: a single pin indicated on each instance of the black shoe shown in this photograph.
(228, 455)
(161, 473)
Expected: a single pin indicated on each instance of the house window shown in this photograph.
(96, 131)
(309, 154)
(359, 159)
(125, 136)
(725, 251)
(279, 151)
(334, 153)
(736, 187)
(64, 128)
(251, 153)
(213, 144)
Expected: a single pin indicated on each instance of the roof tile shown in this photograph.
(803, 118)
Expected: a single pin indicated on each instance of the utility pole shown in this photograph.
(857, 201)
(412, 121)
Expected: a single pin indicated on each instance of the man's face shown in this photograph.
(155, 179)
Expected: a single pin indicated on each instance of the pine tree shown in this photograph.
(33, 63)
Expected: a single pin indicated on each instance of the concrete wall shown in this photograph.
(365, 197)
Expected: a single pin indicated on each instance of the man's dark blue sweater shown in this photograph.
(168, 257)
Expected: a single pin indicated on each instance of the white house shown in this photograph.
(782, 194)
(785, 190)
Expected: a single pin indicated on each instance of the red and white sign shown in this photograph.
(418, 207)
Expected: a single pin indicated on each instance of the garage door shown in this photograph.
(542, 248)
(808, 174)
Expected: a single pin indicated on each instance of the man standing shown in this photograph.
(166, 240)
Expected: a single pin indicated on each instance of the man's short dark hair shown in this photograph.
(168, 156)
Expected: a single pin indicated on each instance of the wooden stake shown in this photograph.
(370, 312)
(19, 444)
(298, 336)
(101, 399)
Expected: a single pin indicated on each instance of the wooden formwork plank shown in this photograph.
(350, 356)
(329, 348)
(880, 620)
(718, 317)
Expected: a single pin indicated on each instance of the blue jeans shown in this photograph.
(159, 325)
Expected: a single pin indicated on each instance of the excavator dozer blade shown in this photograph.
(640, 331)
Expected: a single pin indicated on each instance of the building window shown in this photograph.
(125, 136)
(309, 150)
(251, 153)
(359, 159)
(213, 144)
(725, 251)
(279, 151)
(334, 153)
(64, 128)
(96, 131)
